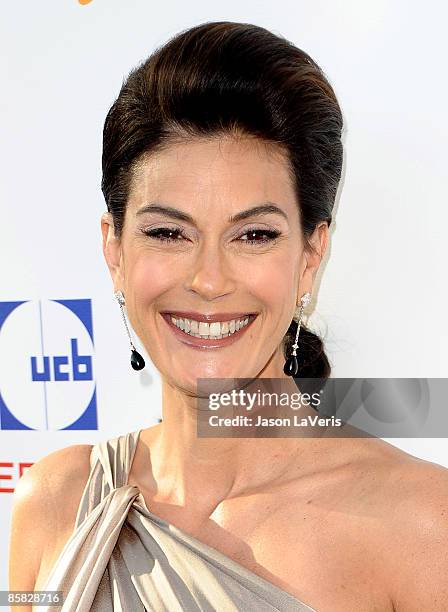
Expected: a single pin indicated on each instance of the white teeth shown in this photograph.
(216, 330)
(204, 329)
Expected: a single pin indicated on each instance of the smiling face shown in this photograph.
(186, 249)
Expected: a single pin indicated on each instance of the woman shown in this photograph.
(221, 162)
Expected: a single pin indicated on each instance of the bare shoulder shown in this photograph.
(418, 493)
(45, 505)
(409, 489)
(402, 502)
(416, 531)
(412, 481)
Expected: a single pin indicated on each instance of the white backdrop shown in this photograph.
(382, 294)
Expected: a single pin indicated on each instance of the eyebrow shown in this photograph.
(169, 211)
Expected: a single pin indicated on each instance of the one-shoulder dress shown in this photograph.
(121, 557)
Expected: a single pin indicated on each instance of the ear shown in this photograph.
(112, 250)
(312, 256)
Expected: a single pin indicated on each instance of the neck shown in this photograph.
(202, 472)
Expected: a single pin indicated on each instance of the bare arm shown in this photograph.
(45, 505)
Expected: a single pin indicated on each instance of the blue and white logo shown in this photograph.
(46, 365)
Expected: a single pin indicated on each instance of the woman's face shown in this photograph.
(211, 264)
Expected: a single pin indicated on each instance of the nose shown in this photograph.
(210, 274)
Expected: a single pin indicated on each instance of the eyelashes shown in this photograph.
(164, 234)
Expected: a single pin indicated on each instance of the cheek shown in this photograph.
(274, 282)
(150, 277)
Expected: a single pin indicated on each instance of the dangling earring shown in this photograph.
(291, 366)
(137, 361)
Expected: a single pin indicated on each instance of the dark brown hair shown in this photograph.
(222, 78)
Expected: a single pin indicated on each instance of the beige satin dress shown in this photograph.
(123, 558)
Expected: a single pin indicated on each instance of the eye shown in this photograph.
(164, 234)
(270, 236)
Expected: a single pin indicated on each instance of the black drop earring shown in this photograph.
(137, 361)
(291, 366)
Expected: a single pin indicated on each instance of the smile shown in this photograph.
(218, 329)
(204, 334)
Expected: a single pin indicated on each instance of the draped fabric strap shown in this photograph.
(123, 558)
(84, 559)
(82, 567)
(110, 464)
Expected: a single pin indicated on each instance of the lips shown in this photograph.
(203, 343)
